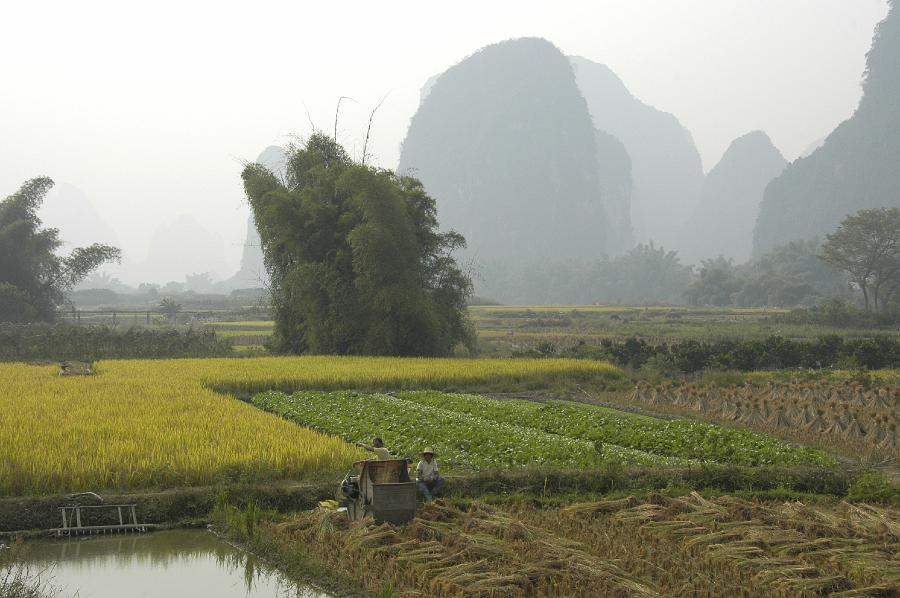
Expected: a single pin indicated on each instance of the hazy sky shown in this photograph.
(150, 108)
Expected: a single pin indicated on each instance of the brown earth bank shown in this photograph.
(542, 485)
(172, 506)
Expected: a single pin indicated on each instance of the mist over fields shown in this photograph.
(568, 184)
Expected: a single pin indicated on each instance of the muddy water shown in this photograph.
(169, 564)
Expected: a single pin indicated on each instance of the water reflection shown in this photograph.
(173, 564)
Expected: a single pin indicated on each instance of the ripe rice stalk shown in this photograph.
(727, 533)
(811, 547)
(873, 520)
(878, 591)
(370, 536)
(493, 583)
(398, 547)
(447, 573)
(777, 575)
(676, 529)
(819, 586)
(603, 506)
(641, 513)
(426, 551)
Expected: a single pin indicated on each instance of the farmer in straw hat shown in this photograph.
(428, 479)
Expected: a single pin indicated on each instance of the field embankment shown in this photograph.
(541, 485)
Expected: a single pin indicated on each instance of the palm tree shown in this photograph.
(170, 308)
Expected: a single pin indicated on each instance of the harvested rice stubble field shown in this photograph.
(687, 546)
(860, 420)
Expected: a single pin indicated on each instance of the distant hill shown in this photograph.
(69, 209)
(505, 144)
(181, 247)
(812, 147)
(616, 186)
(274, 158)
(857, 167)
(253, 270)
(729, 205)
(665, 164)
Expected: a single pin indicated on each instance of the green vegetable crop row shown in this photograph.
(462, 441)
(672, 438)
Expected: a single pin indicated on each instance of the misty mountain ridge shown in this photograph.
(505, 144)
(666, 167)
(729, 204)
(536, 156)
(858, 165)
(616, 189)
(252, 273)
(182, 247)
(68, 209)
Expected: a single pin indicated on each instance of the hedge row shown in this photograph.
(32, 342)
(774, 352)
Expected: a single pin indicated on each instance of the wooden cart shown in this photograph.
(382, 490)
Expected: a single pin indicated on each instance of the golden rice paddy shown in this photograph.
(159, 423)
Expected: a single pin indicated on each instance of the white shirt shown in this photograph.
(427, 472)
(381, 453)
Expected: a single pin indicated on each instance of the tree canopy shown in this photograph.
(33, 278)
(867, 247)
(645, 274)
(355, 260)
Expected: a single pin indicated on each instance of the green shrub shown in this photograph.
(874, 487)
(772, 353)
(29, 342)
(723, 378)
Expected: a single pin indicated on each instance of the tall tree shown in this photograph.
(867, 247)
(647, 274)
(717, 284)
(354, 257)
(33, 278)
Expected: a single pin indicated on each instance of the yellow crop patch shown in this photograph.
(156, 423)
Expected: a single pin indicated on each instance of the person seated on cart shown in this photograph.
(377, 447)
(428, 479)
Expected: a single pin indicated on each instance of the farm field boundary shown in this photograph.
(176, 506)
(192, 505)
(290, 374)
(166, 423)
